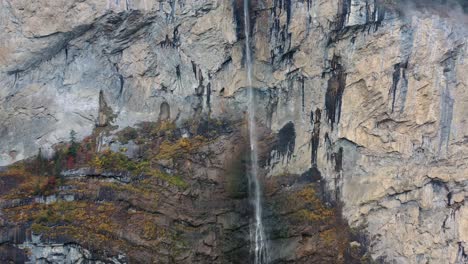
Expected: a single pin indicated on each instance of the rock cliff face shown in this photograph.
(363, 104)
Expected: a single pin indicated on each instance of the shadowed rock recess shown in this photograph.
(123, 131)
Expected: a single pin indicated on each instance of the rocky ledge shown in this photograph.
(180, 197)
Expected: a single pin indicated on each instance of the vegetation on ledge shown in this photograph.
(95, 210)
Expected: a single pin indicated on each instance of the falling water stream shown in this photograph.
(257, 232)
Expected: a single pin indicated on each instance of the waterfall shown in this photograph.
(257, 233)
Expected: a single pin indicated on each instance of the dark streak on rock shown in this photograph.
(374, 18)
(438, 185)
(286, 141)
(208, 96)
(194, 69)
(343, 13)
(302, 93)
(272, 105)
(279, 35)
(335, 90)
(175, 36)
(122, 82)
(462, 256)
(395, 80)
(178, 71)
(226, 62)
(238, 15)
(288, 56)
(173, 42)
(339, 160)
(311, 175)
(328, 146)
(201, 88)
(399, 72)
(14, 84)
(315, 140)
(312, 118)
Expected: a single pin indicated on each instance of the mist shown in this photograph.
(443, 6)
(455, 10)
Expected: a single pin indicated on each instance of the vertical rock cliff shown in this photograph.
(362, 114)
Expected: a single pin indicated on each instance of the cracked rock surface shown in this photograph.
(366, 99)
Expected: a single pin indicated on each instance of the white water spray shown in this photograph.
(257, 232)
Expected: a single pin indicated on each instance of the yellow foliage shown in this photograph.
(97, 162)
(308, 195)
(329, 236)
(16, 170)
(115, 161)
(150, 231)
(89, 215)
(313, 215)
(170, 150)
(31, 185)
(166, 126)
(314, 209)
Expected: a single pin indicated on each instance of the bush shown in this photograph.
(127, 134)
(45, 188)
(175, 180)
(58, 162)
(169, 150)
(113, 161)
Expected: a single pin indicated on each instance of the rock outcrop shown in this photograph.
(366, 99)
(182, 199)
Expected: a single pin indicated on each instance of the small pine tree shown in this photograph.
(72, 136)
(40, 163)
(58, 165)
(73, 149)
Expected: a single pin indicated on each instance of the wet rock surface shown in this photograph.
(366, 102)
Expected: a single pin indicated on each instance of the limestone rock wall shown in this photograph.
(375, 92)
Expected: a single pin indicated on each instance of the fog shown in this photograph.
(429, 5)
(455, 10)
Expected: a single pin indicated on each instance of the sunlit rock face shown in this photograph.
(369, 95)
